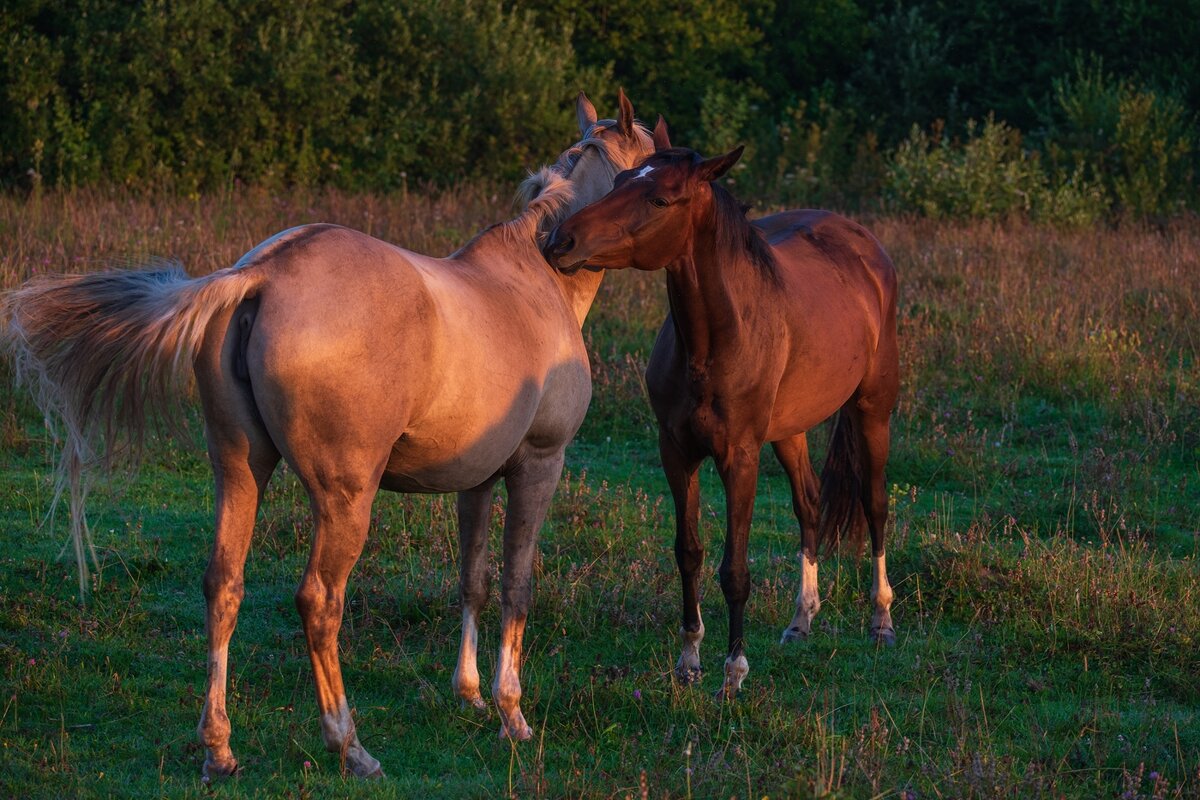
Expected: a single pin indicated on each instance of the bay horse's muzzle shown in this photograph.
(556, 248)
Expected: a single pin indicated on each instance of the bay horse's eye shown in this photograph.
(658, 202)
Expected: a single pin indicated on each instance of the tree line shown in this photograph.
(1070, 111)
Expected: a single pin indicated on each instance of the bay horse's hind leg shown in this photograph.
(806, 494)
(474, 509)
(872, 409)
(530, 487)
(342, 509)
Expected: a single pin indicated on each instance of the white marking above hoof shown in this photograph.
(736, 670)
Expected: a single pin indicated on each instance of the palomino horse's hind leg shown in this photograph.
(875, 439)
(343, 513)
(681, 473)
(530, 488)
(474, 510)
(240, 482)
(243, 458)
(739, 473)
(806, 494)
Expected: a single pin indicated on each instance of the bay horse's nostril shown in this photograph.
(558, 247)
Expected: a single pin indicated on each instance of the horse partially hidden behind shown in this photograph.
(773, 327)
(364, 366)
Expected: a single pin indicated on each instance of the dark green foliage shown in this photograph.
(372, 94)
(201, 93)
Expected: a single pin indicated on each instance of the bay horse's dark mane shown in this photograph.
(736, 236)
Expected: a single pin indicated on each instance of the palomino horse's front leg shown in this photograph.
(342, 516)
(682, 477)
(806, 496)
(474, 509)
(530, 488)
(739, 473)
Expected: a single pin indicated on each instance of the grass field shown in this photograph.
(1046, 486)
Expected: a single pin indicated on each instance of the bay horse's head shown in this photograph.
(647, 220)
(584, 172)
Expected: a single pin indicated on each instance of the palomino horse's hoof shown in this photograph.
(884, 636)
(688, 675)
(521, 733)
(214, 771)
(476, 703)
(793, 634)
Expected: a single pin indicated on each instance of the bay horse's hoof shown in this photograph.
(884, 636)
(688, 675)
(793, 634)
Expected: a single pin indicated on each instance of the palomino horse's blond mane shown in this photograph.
(547, 195)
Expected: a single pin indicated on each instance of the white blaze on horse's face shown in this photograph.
(643, 172)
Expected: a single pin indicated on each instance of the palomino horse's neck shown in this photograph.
(515, 243)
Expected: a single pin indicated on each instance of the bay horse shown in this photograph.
(364, 366)
(774, 326)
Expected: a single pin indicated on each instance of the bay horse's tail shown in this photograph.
(843, 521)
(104, 354)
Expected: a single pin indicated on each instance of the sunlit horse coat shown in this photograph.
(362, 365)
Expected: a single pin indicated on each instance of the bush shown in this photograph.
(990, 175)
(1134, 141)
(362, 94)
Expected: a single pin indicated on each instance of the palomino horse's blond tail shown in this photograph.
(104, 354)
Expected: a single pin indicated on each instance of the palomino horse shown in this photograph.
(365, 366)
(773, 327)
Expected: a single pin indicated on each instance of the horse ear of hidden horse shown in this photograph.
(362, 365)
(774, 326)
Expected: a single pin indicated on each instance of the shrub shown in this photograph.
(989, 175)
(1134, 141)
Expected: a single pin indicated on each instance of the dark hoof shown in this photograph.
(885, 636)
(219, 770)
(793, 634)
(726, 694)
(686, 677)
(477, 704)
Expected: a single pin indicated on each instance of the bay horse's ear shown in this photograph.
(712, 168)
(585, 112)
(661, 140)
(624, 114)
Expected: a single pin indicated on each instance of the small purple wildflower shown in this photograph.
(32, 662)
(1153, 776)
(637, 694)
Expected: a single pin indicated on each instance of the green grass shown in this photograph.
(1044, 556)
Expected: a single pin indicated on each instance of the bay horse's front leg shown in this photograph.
(682, 476)
(343, 515)
(739, 473)
(474, 510)
(530, 487)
